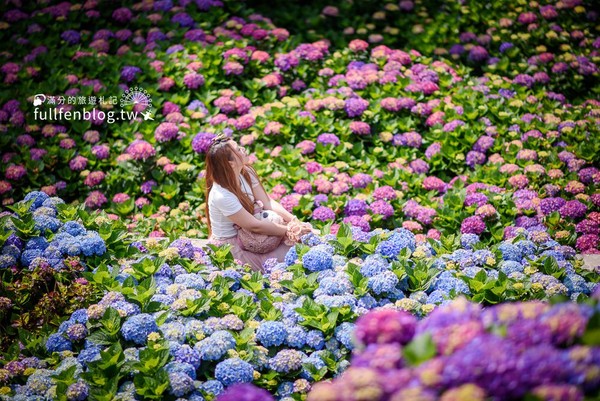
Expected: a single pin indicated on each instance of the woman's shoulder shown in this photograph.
(218, 192)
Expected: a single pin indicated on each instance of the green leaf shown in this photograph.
(419, 350)
(591, 336)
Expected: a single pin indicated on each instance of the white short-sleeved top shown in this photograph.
(223, 203)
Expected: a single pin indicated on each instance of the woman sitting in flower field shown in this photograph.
(233, 191)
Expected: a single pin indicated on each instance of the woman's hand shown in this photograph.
(297, 229)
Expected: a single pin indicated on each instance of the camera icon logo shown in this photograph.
(39, 99)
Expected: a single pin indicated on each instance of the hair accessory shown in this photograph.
(219, 138)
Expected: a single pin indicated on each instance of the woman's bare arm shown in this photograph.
(252, 224)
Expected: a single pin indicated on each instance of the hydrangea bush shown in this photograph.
(183, 322)
(365, 134)
(463, 351)
(46, 245)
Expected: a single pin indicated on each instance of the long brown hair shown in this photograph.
(218, 170)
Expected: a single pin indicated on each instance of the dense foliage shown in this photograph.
(448, 152)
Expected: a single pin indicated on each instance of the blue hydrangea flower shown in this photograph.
(510, 252)
(163, 299)
(527, 248)
(400, 239)
(39, 383)
(316, 260)
(559, 256)
(136, 328)
(271, 333)
(191, 280)
(234, 370)
(164, 270)
(195, 396)
(38, 199)
(11, 250)
(296, 336)
(509, 266)
(383, 282)
(126, 308)
(43, 223)
(344, 334)
(189, 355)
(469, 240)
(437, 297)
(313, 360)
(181, 367)
(181, 384)
(57, 343)
(89, 354)
(214, 387)
(92, 244)
(337, 301)
(286, 361)
(471, 271)
(7, 261)
(335, 285)
(77, 391)
(481, 256)
(73, 228)
(291, 256)
(285, 389)
(39, 243)
(339, 261)
(444, 282)
(315, 339)
(52, 202)
(216, 346)
(575, 283)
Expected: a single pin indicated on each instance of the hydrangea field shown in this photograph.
(447, 152)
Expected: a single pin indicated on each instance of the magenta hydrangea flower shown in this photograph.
(303, 187)
(472, 225)
(358, 221)
(202, 141)
(165, 132)
(140, 150)
(193, 80)
(382, 208)
(245, 392)
(101, 151)
(94, 178)
(120, 198)
(587, 243)
(244, 122)
(355, 106)
(573, 209)
(313, 167)
(306, 147)
(360, 128)
(361, 180)
(385, 326)
(289, 202)
(355, 207)
(323, 213)
(328, 139)
(434, 184)
(433, 150)
(15, 172)
(385, 193)
(78, 163)
(95, 200)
